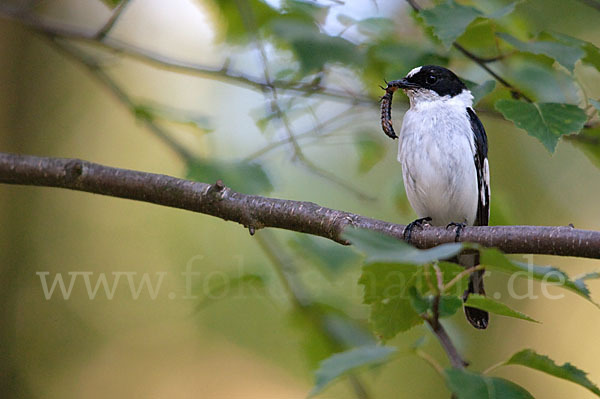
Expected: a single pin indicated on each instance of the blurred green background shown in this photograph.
(248, 340)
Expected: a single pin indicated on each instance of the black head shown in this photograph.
(439, 79)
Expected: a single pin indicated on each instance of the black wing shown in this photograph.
(482, 167)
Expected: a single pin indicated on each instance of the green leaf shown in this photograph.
(112, 3)
(347, 331)
(242, 176)
(379, 247)
(567, 371)
(150, 111)
(487, 304)
(342, 363)
(589, 142)
(592, 53)
(566, 55)
(237, 20)
(375, 27)
(579, 280)
(143, 112)
(504, 11)
(449, 20)
(307, 10)
(469, 385)
(392, 60)
(544, 121)
(481, 90)
(332, 256)
(370, 152)
(313, 48)
(448, 304)
(386, 290)
(493, 259)
(419, 304)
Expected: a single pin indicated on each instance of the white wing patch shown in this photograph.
(486, 177)
(413, 72)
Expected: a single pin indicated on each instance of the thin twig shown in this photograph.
(493, 367)
(117, 12)
(460, 276)
(433, 321)
(313, 132)
(223, 74)
(432, 362)
(250, 24)
(455, 358)
(102, 77)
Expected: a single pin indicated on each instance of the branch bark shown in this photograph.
(257, 212)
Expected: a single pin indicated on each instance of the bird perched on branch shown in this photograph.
(443, 152)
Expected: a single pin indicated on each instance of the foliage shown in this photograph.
(401, 289)
(403, 286)
(545, 121)
(468, 385)
(311, 52)
(567, 371)
(487, 304)
(342, 363)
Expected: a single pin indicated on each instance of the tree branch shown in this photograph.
(223, 74)
(455, 358)
(260, 212)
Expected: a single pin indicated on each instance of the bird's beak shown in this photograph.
(402, 84)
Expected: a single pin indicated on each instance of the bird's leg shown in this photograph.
(459, 228)
(406, 235)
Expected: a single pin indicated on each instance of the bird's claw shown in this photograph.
(407, 233)
(459, 228)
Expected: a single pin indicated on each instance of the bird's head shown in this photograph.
(432, 83)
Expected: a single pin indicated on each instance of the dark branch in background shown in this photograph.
(55, 35)
(592, 3)
(260, 212)
(223, 73)
(516, 93)
(105, 79)
(267, 243)
(273, 98)
(455, 358)
(257, 212)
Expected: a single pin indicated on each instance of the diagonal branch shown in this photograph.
(257, 212)
(222, 74)
(102, 33)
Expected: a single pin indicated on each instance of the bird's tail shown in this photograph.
(477, 317)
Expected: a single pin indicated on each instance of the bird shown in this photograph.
(442, 150)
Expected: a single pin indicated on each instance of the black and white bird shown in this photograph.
(443, 153)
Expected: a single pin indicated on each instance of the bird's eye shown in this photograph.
(431, 79)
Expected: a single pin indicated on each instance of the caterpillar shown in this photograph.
(386, 109)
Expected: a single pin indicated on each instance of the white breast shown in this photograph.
(436, 150)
